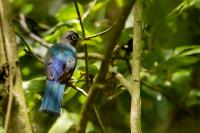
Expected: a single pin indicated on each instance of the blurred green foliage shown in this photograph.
(170, 62)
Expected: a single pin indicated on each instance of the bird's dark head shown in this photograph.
(70, 37)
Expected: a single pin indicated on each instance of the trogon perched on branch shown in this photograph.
(60, 62)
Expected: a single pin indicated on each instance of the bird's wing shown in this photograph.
(48, 62)
(59, 66)
(70, 64)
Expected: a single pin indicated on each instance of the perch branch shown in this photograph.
(78, 89)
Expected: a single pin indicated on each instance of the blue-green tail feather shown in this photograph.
(53, 98)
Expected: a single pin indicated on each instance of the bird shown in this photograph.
(59, 65)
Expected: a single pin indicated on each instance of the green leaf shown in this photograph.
(69, 95)
(35, 85)
(126, 35)
(92, 69)
(194, 98)
(180, 61)
(187, 50)
(185, 5)
(64, 122)
(27, 8)
(67, 13)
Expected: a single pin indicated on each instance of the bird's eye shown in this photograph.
(74, 37)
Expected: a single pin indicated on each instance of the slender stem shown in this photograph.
(23, 40)
(103, 130)
(85, 46)
(79, 17)
(8, 110)
(86, 67)
(29, 51)
(78, 89)
(33, 55)
(98, 34)
(82, 25)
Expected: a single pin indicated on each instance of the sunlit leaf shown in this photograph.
(27, 8)
(35, 85)
(187, 50)
(193, 98)
(67, 13)
(64, 122)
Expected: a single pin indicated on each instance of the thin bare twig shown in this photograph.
(103, 130)
(82, 25)
(80, 19)
(91, 5)
(86, 67)
(9, 105)
(32, 35)
(29, 51)
(98, 34)
(78, 89)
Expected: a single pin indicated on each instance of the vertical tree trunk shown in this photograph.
(135, 93)
(16, 117)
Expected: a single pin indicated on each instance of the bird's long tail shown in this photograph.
(53, 98)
